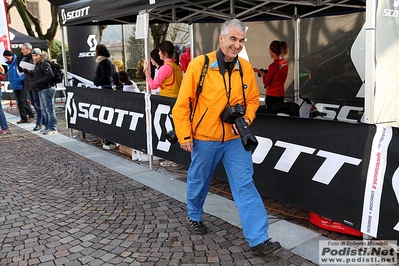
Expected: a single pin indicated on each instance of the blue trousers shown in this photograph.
(3, 121)
(46, 97)
(239, 168)
(35, 101)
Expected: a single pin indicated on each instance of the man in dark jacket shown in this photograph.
(26, 50)
(16, 79)
(43, 78)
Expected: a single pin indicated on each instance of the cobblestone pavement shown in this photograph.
(59, 208)
(275, 208)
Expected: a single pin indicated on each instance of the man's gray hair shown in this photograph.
(232, 23)
(27, 45)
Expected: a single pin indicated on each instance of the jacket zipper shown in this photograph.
(199, 122)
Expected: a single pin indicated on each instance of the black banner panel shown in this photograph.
(346, 172)
(82, 50)
(313, 164)
(161, 112)
(8, 93)
(113, 115)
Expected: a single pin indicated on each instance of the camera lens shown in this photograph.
(171, 136)
(247, 137)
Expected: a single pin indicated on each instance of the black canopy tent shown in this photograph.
(18, 38)
(106, 12)
(83, 12)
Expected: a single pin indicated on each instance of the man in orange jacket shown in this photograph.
(202, 132)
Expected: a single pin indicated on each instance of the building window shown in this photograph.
(33, 7)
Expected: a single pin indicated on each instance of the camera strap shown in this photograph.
(222, 70)
(200, 84)
(243, 86)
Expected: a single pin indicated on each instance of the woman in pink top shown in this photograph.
(169, 75)
(168, 78)
(275, 76)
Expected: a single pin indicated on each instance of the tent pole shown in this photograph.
(369, 68)
(296, 55)
(123, 47)
(148, 90)
(192, 40)
(148, 103)
(64, 58)
(369, 62)
(65, 65)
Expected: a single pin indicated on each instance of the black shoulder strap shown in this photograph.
(200, 84)
(203, 73)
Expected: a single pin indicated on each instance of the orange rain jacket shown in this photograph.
(207, 124)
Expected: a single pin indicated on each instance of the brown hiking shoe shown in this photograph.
(265, 248)
(197, 228)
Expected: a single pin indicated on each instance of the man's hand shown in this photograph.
(187, 146)
(234, 129)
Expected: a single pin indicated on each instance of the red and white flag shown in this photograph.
(4, 32)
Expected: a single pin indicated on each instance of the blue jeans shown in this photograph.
(3, 121)
(239, 169)
(46, 97)
(35, 101)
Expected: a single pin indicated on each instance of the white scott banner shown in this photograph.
(375, 180)
(386, 105)
(4, 34)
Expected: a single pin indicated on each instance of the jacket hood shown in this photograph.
(13, 59)
(105, 53)
(100, 58)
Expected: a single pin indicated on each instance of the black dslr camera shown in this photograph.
(264, 70)
(171, 136)
(234, 115)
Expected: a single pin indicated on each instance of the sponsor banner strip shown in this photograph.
(375, 180)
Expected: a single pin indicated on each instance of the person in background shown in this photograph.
(103, 72)
(185, 57)
(177, 49)
(103, 75)
(3, 121)
(229, 81)
(169, 76)
(43, 77)
(276, 75)
(168, 79)
(16, 78)
(26, 50)
(115, 78)
(128, 85)
(156, 62)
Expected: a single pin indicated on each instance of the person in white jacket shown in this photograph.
(128, 85)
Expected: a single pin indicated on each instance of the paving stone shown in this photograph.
(46, 258)
(74, 211)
